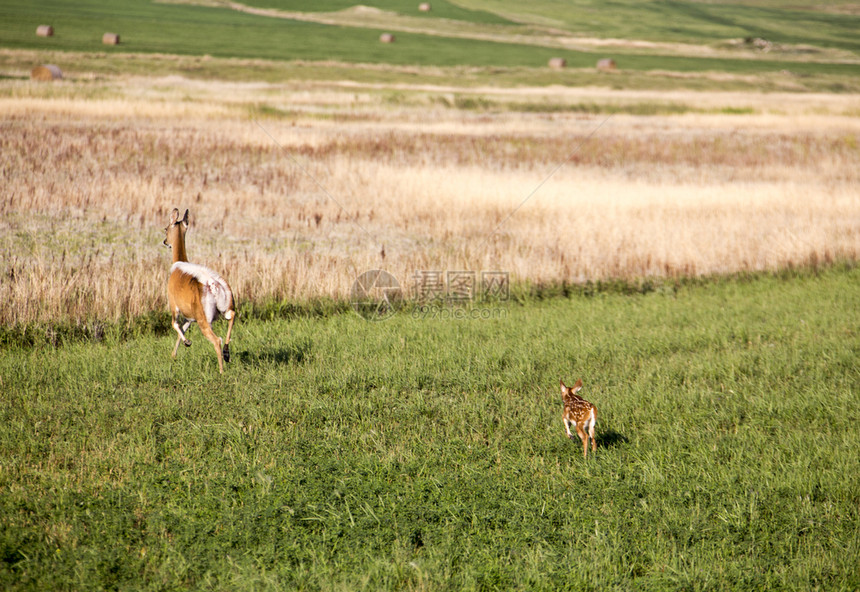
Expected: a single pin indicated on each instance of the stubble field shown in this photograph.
(294, 190)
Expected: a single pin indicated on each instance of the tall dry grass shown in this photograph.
(296, 207)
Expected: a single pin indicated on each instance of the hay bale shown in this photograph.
(607, 65)
(558, 63)
(45, 31)
(46, 72)
(386, 38)
(762, 44)
(424, 7)
(110, 39)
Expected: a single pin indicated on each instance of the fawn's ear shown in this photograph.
(173, 216)
(185, 218)
(563, 388)
(577, 387)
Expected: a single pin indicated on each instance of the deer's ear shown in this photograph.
(578, 386)
(173, 216)
(563, 388)
(184, 218)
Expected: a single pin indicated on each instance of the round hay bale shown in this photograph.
(607, 64)
(45, 31)
(46, 72)
(762, 44)
(424, 7)
(386, 38)
(110, 39)
(557, 63)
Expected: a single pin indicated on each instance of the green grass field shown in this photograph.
(820, 23)
(440, 9)
(428, 453)
(174, 28)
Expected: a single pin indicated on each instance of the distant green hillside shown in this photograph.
(827, 24)
(831, 24)
(198, 30)
(439, 8)
(470, 33)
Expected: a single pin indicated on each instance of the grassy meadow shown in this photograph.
(427, 453)
(682, 234)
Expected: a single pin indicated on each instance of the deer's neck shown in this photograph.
(179, 252)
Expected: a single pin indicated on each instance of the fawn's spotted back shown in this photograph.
(579, 413)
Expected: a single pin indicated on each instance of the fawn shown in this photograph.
(580, 413)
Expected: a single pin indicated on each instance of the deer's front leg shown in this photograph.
(180, 331)
(567, 428)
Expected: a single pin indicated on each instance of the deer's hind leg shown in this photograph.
(230, 315)
(591, 425)
(209, 334)
(591, 434)
(584, 437)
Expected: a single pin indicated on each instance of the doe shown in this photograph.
(196, 293)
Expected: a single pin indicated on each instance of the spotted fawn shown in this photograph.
(580, 413)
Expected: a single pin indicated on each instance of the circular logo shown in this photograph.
(376, 295)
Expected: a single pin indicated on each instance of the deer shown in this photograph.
(196, 293)
(580, 413)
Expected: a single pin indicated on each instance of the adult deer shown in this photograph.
(196, 293)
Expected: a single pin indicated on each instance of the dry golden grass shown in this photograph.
(296, 199)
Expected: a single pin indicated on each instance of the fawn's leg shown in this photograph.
(584, 437)
(593, 441)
